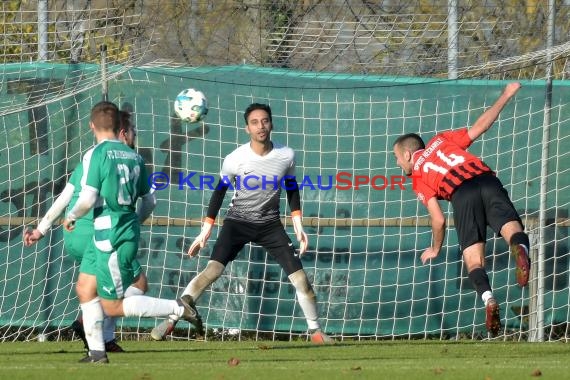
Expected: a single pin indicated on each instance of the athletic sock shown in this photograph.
(306, 298)
(93, 324)
(486, 296)
(480, 281)
(144, 306)
(522, 239)
(133, 291)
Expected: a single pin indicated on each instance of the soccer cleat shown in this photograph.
(190, 313)
(493, 318)
(93, 359)
(319, 337)
(112, 346)
(520, 253)
(77, 327)
(163, 329)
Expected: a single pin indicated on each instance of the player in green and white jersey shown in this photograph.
(81, 240)
(114, 178)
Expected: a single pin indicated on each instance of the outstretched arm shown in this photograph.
(85, 202)
(56, 209)
(293, 196)
(213, 208)
(437, 228)
(145, 206)
(486, 120)
(294, 200)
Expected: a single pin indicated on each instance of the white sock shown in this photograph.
(109, 326)
(205, 278)
(93, 324)
(309, 307)
(486, 296)
(144, 306)
(110, 323)
(306, 297)
(133, 291)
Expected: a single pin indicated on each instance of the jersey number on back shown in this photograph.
(450, 161)
(128, 181)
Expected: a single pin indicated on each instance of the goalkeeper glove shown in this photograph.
(201, 240)
(299, 232)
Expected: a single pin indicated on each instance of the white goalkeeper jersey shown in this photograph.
(257, 182)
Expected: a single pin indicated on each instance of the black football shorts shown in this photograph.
(271, 235)
(480, 202)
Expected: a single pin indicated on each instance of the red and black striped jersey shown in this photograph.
(444, 165)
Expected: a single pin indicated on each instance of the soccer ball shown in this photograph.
(191, 105)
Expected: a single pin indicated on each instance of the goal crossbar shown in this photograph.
(531, 222)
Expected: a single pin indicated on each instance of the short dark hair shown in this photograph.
(257, 106)
(410, 141)
(125, 121)
(105, 116)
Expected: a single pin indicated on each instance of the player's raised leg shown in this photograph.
(519, 244)
(193, 291)
(190, 314)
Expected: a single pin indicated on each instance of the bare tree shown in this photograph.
(394, 37)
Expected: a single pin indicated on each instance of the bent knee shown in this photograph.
(301, 283)
(213, 270)
(86, 287)
(112, 308)
(141, 283)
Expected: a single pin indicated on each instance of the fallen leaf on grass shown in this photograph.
(232, 362)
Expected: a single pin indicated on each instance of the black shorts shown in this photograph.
(234, 235)
(480, 202)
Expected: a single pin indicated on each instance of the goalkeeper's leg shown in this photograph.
(195, 288)
(278, 244)
(308, 302)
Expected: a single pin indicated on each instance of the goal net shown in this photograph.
(366, 229)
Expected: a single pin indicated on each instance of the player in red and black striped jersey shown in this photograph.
(444, 165)
(443, 169)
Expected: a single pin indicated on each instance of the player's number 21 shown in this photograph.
(125, 177)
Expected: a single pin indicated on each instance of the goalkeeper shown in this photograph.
(81, 239)
(256, 171)
(443, 169)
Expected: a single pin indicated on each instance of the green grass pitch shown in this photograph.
(393, 360)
